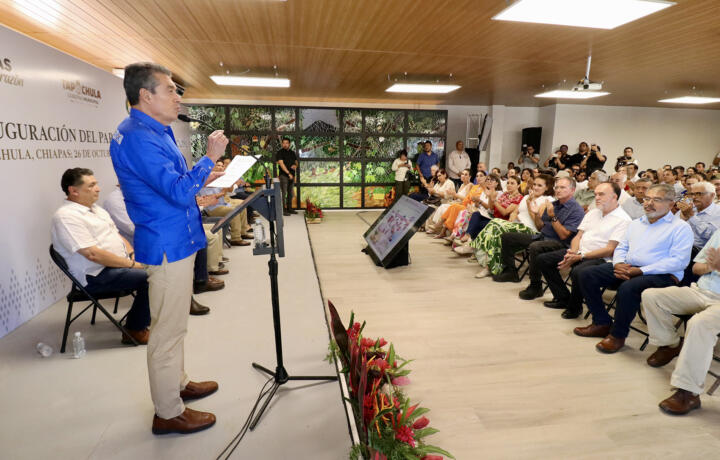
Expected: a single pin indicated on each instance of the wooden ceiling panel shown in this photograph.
(343, 50)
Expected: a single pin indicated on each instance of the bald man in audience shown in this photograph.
(598, 235)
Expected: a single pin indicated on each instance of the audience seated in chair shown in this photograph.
(239, 228)
(435, 223)
(488, 243)
(206, 259)
(97, 255)
(558, 222)
(634, 207)
(486, 209)
(598, 234)
(702, 300)
(653, 254)
(456, 213)
(586, 196)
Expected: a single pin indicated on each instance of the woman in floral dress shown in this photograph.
(488, 243)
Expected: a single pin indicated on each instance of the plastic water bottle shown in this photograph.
(45, 350)
(258, 234)
(78, 345)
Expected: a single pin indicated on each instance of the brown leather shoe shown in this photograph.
(610, 344)
(593, 330)
(664, 355)
(239, 243)
(197, 309)
(248, 237)
(221, 271)
(212, 284)
(140, 337)
(197, 390)
(190, 421)
(680, 403)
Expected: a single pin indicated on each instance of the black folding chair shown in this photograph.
(78, 293)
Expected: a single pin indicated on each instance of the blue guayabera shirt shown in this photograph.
(662, 247)
(159, 189)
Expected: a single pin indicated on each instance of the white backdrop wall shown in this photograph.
(56, 112)
(658, 135)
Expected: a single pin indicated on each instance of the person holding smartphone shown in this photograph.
(594, 161)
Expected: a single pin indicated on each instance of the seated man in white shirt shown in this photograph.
(96, 254)
(596, 239)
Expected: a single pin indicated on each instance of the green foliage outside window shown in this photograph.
(334, 146)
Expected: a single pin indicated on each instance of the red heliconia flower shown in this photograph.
(396, 403)
(432, 457)
(405, 434)
(381, 364)
(421, 423)
(353, 332)
(383, 342)
(366, 343)
(368, 407)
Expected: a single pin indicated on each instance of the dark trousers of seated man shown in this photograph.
(629, 293)
(120, 279)
(571, 298)
(535, 244)
(200, 270)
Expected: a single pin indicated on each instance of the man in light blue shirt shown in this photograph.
(159, 193)
(702, 214)
(654, 253)
(696, 353)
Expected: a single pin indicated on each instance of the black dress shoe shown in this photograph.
(571, 313)
(197, 309)
(554, 303)
(507, 276)
(531, 292)
(285, 213)
(292, 211)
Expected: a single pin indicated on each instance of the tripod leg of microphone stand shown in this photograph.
(268, 398)
(263, 369)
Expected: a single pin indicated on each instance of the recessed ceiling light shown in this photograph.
(271, 82)
(417, 88)
(599, 14)
(691, 100)
(118, 72)
(568, 94)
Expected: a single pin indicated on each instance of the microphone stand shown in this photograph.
(280, 376)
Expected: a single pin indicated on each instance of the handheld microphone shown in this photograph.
(187, 119)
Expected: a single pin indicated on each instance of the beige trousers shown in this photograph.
(214, 248)
(238, 225)
(696, 356)
(170, 290)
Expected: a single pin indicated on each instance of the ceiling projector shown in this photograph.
(586, 85)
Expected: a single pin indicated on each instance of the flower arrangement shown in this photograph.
(389, 426)
(312, 212)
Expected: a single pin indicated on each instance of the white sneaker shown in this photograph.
(483, 273)
(464, 250)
